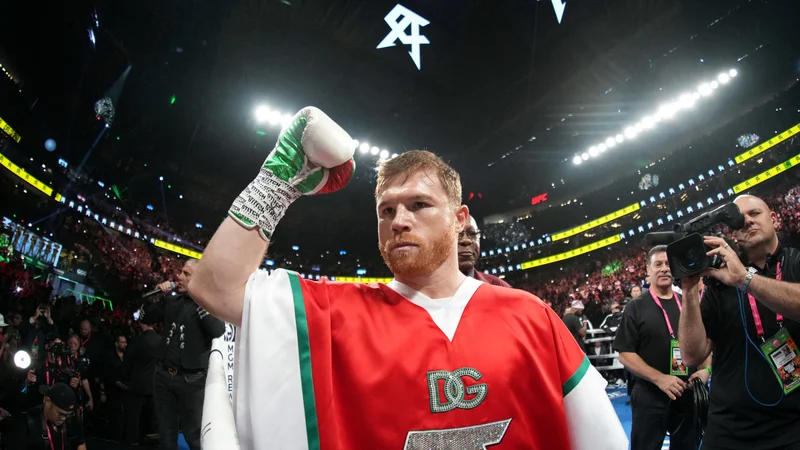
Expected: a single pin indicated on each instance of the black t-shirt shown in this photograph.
(643, 330)
(574, 325)
(736, 421)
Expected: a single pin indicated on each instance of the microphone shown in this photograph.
(157, 291)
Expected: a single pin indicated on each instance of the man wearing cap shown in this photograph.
(469, 250)
(574, 324)
(53, 424)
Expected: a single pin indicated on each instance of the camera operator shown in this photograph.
(647, 342)
(745, 317)
(59, 367)
(180, 377)
(52, 424)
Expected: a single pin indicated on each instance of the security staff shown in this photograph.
(648, 344)
(180, 378)
(469, 250)
(746, 319)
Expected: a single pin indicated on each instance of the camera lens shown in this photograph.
(692, 258)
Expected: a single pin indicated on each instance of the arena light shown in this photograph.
(577, 160)
(666, 111)
(593, 151)
(364, 147)
(384, 155)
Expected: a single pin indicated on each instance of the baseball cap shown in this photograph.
(60, 394)
(3, 321)
(577, 304)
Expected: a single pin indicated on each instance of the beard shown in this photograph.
(427, 257)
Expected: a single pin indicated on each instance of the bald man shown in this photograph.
(469, 250)
(748, 320)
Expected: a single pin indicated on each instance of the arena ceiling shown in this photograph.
(505, 91)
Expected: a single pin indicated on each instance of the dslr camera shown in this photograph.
(686, 250)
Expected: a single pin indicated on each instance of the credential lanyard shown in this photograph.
(666, 317)
(50, 436)
(754, 308)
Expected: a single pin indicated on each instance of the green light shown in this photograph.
(261, 133)
(145, 164)
(37, 228)
(172, 100)
(117, 137)
(169, 186)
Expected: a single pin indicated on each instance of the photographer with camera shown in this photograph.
(34, 333)
(59, 366)
(748, 316)
(648, 344)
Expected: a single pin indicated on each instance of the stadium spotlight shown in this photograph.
(274, 118)
(585, 156)
(714, 84)
(733, 72)
(619, 138)
(630, 132)
(723, 78)
(364, 147)
(593, 151)
(602, 148)
(262, 112)
(356, 143)
(394, 155)
(704, 89)
(286, 120)
(375, 151)
(648, 122)
(610, 142)
(686, 100)
(577, 159)
(384, 154)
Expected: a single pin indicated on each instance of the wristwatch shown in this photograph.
(751, 272)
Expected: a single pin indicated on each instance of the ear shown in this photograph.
(462, 217)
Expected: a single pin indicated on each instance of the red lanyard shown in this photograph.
(754, 308)
(666, 317)
(83, 343)
(50, 437)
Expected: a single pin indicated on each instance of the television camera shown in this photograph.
(686, 250)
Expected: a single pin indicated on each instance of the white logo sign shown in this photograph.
(399, 19)
(559, 8)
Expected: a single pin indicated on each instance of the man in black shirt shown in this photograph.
(53, 424)
(748, 409)
(574, 323)
(180, 378)
(138, 371)
(644, 341)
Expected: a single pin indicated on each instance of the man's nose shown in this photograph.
(402, 220)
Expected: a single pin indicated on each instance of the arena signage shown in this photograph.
(399, 19)
(541, 198)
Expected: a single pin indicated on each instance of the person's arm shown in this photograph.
(695, 344)
(88, 391)
(703, 371)
(212, 326)
(635, 363)
(219, 280)
(311, 146)
(781, 297)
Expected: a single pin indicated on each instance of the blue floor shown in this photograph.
(618, 398)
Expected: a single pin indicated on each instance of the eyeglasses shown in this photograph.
(472, 235)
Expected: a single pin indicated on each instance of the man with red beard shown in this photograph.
(434, 359)
(469, 250)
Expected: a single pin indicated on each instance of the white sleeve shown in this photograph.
(591, 420)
